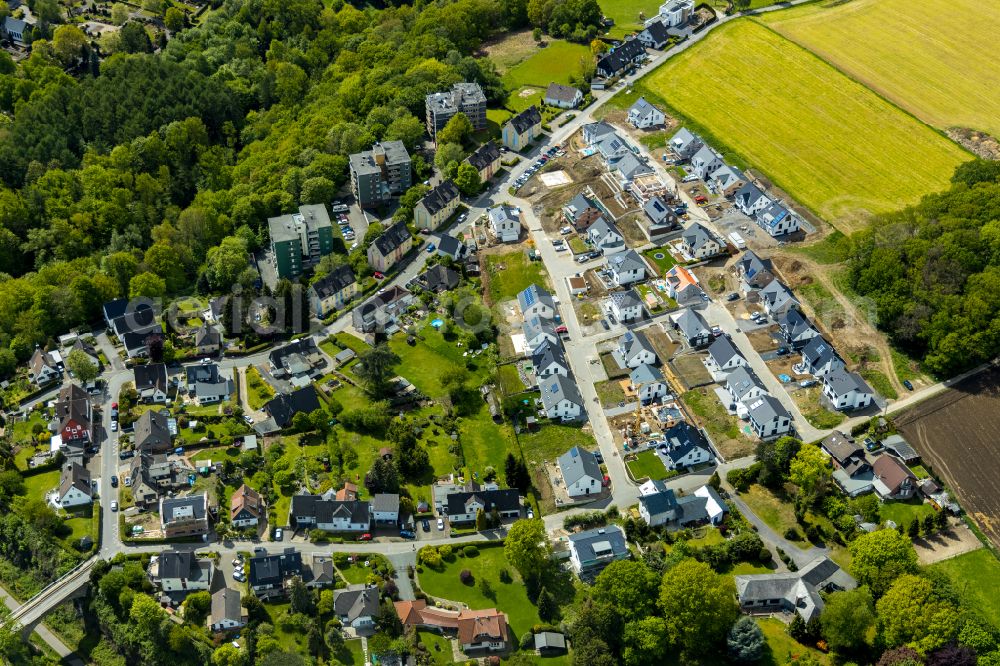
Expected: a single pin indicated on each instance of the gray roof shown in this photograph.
(595, 542)
(440, 196)
(741, 381)
(556, 388)
(449, 245)
(356, 602)
(207, 335)
(630, 166)
(461, 94)
(593, 131)
(899, 446)
(765, 409)
(723, 350)
(577, 464)
(794, 323)
(527, 119)
(657, 30)
(706, 155)
(385, 502)
(550, 640)
(611, 145)
(727, 175)
(338, 279)
(502, 212)
(484, 155)
(645, 374)
(392, 238)
(840, 446)
(534, 294)
(548, 353)
(634, 342)
(151, 430)
(800, 590)
(777, 295)
(152, 375)
(842, 382)
(535, 326)
(76, 476)
(642, 107)
(658, 211)
(748, 195)
(226, 605)
(818, 353)
(696, 235)
(626, 261)
(684, 138)
(176, 564)
(168, 506)
(561, 92)
(602, 227)
(365, 163)
(659, 503)
(692, 324)
(626, 299)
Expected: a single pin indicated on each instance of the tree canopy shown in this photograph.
(879, 557)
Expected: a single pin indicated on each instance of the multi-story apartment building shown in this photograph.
(467, 98)
(380, 173)
(298, 240)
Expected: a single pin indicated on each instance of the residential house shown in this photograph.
(655, 35)
(561, 398)
(847, 390)
(582, 211)
(683, 286)
(451, 247)
(851, 470)
(658, 508)
(227, 611)
(742, 384)
(685, 143)
(549, 359)
(74, 487)
(627, 268)
(357, 606)
(207, 385)
(703, 506)
(625, 306)
(768, 417)
(467, 98)
(385, 508)
(550, 643)
(299, 240)
(42, 368)
(818, 358)
(17, 30)
(700, 243)
(299, 362)
(535, 301)
(381, 312)
(319, 573)
(269, 573)
(537, 330)
(87, 350)
(463, 507)
(595, 132)
(283, 407)
(642, 114)
(635, 349)
(207, 340)
(796, 329)
(505, 223)
(521, 130)
(751, 200)
(150, 475)
(777, 220)
(693, 327)
(899, 447)
(841, 448)
(125, 316)
(152, 432)
(612, 148)
(648, 383)
(480, 630)
(727, 180)
(705, 162)
(676, 13)
(630, 166)
(180, 571)
(439, 204)
(184, 516)
(754, 272)
(797, 592)
(246, 507)
(564, 97)
(439, 278)
(333, 291)
(137, 344)
(581, 473)
(592, 550)
(604, 236)
(486, 160)
(151, 382)
(723, 356)
(380, 173)
(777, 298)
(74, 418)
(685, 456)
(893, 479)
(386, 250)
(315, 512)
(661, 217)
(577, 285)
(620, 58)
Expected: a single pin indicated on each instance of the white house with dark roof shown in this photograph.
(696, 331)
(754, 272)
(705, 162)
(612, 148)
(561, 398)
(625, 305)
(357, 606)
(768, 417)
(594, 132)
(661, 217)
(777, 298)
(451, 247)
(655, 35)
(723, 356)
(592, 550)
(464, 505)
(796, 329)
(605, 237)
(685, 143)
(727, 179)
(700, 243)
(627, 268)
(549, 359)
(581, 472)
(686, 456)
(180, 571)
(818, 358)
(847, 390)
(227, 611)
(658, 508)
(635, 349)
(777, 220)
(564, 97)
(798, 592)
(534, 301)
(505, 223)
(313, 511)
(391, 246)
(42, 368)
(385, 508)
(74, 487)
(629, 166)
(437, 205)
(151, 382)
(750, 200)
(743, 384)
(648, 383)
(537, 330)
(643, 115)
(522, 129)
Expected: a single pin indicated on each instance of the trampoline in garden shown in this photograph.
(437, 323)
(659, 255)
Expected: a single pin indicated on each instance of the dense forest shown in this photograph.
(120, 180)
(933, 272)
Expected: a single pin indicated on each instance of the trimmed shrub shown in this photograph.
(466, 577)
(470, 551)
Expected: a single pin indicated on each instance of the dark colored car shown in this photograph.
(604, 323)
(908, 384)
(781, 351)
(114, 481)
(733, 297)
(407, 534)
(426, 525)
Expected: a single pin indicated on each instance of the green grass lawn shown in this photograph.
(511, 273)
(808, 401)
(510, 379)
(552, 440)
(438, 646)
(782, 648)
(37, 485)
(647, 466)
(357, 573)
(903, 512)
(216, 453)
(626, 14)
(712, 414)
(258, 391)
(81, 524)
(511, 598)
(553, 64)
(845, 154)
(430, 359)
(290, 641)
(834, 248)
(484, 443)
(664, 263)
(878, 381)
(577, 245)
(976, 577)
(352, 654)
(610, 392)
(778, 515)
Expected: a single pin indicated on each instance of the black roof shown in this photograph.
(176, 564)
(136, 319)
(304, 346)
(324, 510)
(150, 375)
(135, 340)
(485, 155)
(622, 55)
(658, 31)
(273, 569)
(337, 280)
(440, 196)
(508, 499)
(440, 278)
(283, 408)
(392, 238)
(527, 119)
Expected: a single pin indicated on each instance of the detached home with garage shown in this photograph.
(723, 356)
(727, 179)
(777, 220)
(768, 417)
(591, 551)
(463, 507)
(74, 487)
(549, 359)
(564, 97)
(42, 368)
(561, 398)
(700, 243)
(604, 236)
(643, 115)
(625, 305)
(777, 298)
(357, 606)
(537, 330)
(245, 507)
(705, 162)
(151, 382)
(847, 390)
(818, 358)
(581, 473)
(685, 143)
(654, 36)
(751, 200)
(521, 130)
(893, 479)
(648, 383)
(634, 349)
(627, 268)
(661, 217)
(505, 223)
(693, 327)
(796, 329)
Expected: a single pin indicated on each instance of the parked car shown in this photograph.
(430, 248)
(114, 481)
(716, 331)
(407, 534)
(114, 505)
(733, 297)
(565, 231)
(125, 455)
(690, 178)
(562, 329)
(248, 419)
(426, 525)
(604, 323)
(259, 550)
(128, 481)
(806, 383)
(781, 351)
(279, 534)
(908, 384)
(583, 258)
(365, 537)
(440, 524)
(238, 561)
(114, 426)
(378, 275)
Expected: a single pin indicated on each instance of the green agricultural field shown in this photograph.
(834, 145)
(976, 577)
(511, 273)
(935, 58)
(553, 64)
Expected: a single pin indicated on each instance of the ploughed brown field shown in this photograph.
(958, 435)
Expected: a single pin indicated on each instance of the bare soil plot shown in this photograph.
(690, 370)
(956, 434)
(763, 339)
(957, 540)
(664, 346)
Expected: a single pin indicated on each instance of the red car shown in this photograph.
(701, 198)
(561, 329)
(379, 276)
(365, 537)
(114, 405)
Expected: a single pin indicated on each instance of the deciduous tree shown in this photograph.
(846, 619)
(911, 613)
(879, 557)
(698, 604)
(527, 548)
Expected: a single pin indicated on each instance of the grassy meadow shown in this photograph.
(554, 63)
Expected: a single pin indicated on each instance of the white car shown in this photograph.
(114, 426)
(114, 506)
(531, 513)
(441, 524)
(237, 562)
